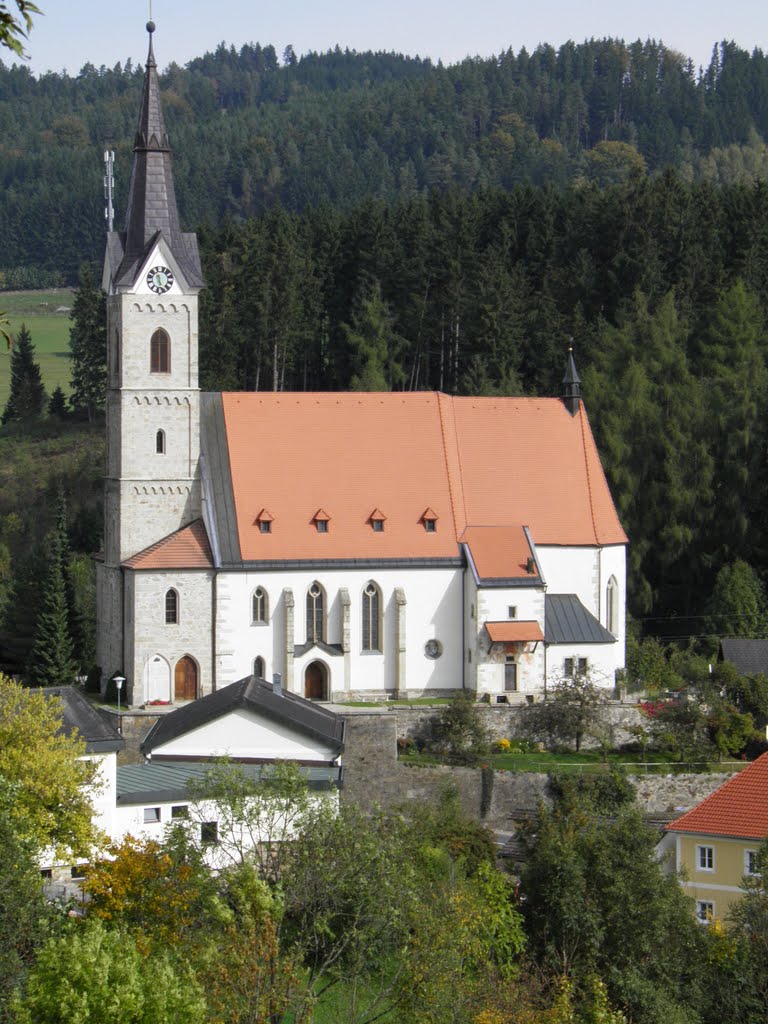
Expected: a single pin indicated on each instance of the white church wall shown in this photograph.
(243, 734)
(434, 611)
(151, 636)
(571, 570)
(602, 661)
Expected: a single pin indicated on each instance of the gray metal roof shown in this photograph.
(255, 695)
(749, 656)
(567, 621)
(77, 714)
(162, 781)
(152, 210)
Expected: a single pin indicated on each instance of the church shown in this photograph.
(361, 546)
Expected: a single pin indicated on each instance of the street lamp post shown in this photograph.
(119, 680)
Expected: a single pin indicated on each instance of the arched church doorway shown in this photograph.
(185, 679)
(157, 679)
(316, 681)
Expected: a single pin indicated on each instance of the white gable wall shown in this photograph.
(244, 734)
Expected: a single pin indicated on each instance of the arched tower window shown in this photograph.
(371, 611)
(259, 668)
(612, 606)
(315, 613)
(171, 607)
(160, 352)
(160, 442)
(260, 606)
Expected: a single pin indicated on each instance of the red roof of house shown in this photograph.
(480, 461)
(514, 631)
(739, 808)
(499, 552)
(187, 548)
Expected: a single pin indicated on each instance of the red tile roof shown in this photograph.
(739, 808)
(499, 552)
(188, 548)
(514, 631)
(481, 461)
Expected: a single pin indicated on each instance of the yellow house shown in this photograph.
(715, 845)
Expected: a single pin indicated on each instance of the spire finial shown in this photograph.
(150, 29)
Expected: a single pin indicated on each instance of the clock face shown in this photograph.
(160, 279)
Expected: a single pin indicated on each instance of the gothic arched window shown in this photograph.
(371, 606)
(259, 668)
(612, 606)
(315, 613)
(171, 607)
(160, 352)
(260, 606)
(160, 442)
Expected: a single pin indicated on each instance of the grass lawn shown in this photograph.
(49, 330)
(585, 761)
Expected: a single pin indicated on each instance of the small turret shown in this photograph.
(571, 383)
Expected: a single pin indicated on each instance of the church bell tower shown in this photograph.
(152, 278)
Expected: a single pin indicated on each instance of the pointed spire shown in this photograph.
(152, 198)
(571, 383)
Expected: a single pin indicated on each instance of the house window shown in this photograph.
(180, 812)
(512, 611)
(575, 667)
(209, 833)
(612, 606)
(160, 348)
(78, 871)
(705, 911)
(160, 442)
(705, 858)
(315, 614)
(46, 874)
(750, 862)
(259, 668)
(171, 607)
(260, 606)
(151, 815)
(371, 605)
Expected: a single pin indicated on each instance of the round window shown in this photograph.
(433, 648)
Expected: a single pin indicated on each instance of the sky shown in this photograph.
(75, 32)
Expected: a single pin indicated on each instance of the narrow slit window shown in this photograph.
(171, 607)
(160, 442)
(371, 606)
(315, 613)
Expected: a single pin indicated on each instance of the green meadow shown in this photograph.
(49, 326)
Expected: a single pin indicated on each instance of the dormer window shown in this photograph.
(377, 520)
(429, 519)
(321, 519)
(264, 521)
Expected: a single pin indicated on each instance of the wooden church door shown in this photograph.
(185, 679)
(314, 681)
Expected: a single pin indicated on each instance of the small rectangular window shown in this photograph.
(512, 611)
(46, 873)
(151, 815)
(705, 858)
(583, 666)
(322, 525)
(180, 811)
(568, 668)
(265, 526)
(378, 525)
(209, 833)
(78, 871)
(430, 525)
(750, 862)
(705, 911)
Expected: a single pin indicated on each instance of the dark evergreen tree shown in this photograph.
(52, 659)
(27, 398)
(57, 406)
(88, 345)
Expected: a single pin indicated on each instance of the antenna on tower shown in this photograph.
(109, 187)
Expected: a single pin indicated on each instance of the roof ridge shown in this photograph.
(449, 474)
(584, 426)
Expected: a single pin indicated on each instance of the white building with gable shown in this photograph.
(395, 544)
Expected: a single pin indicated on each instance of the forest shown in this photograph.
(249, 130)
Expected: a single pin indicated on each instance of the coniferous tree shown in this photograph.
(52, 659)
(88, 344)
(27, 398)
